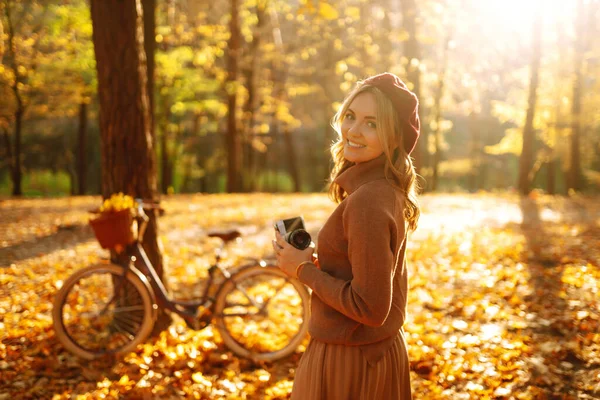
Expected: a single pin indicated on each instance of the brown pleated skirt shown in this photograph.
(338, 372)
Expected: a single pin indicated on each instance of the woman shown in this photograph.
(359, 282)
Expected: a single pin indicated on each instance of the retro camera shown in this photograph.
(294, 232)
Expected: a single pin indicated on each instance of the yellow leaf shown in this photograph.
(327, 11)
(199, 378)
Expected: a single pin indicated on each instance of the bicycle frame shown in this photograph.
(186, 309)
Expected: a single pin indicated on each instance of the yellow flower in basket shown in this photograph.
(113, 227)
(117, 202)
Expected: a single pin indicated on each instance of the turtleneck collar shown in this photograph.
(361, 173)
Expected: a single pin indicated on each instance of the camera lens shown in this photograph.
(299, 238)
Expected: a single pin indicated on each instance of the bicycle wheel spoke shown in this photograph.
(250, 299)
(263, 315)
(123, 333)
(127, 309)
(131, 295)
(125, 325)
(266, 303)
(239, 314)
(100, 311)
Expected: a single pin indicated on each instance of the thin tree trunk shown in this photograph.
(385, 37)
(20, 110)
(551, 163)
(574, 174)
(263, 166)
(437, 156)
(81, 150)
(128, 158)
(17, 172)
(331, 91)
(187, 176)
(412, 53)
(165, 116)
(72, 179)
(250, 106)
(290, 150)
(363, 25)
(474, 133)
(149, 9)
(527, 152)
(165, 180)
(233, 137)
(8, 146)
(288, 144)
(551, 175)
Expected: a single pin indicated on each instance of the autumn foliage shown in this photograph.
(503, 303)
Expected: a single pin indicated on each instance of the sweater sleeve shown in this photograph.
(368, 227)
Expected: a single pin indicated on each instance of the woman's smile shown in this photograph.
(355, 145)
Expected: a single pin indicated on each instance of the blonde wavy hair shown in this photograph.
(399, 168)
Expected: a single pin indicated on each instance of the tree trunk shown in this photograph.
(474, 133)
(149, 10)
(385, 38)
(17, 172)
(574, 181)
(163, 122)
(8, 147)
(250, 106)
(81, 150)
(331, 89)
(127, 146)
(437, 156)
(72, 178)
(527, 152)
(557, 129)
(20, 110)
(290, 151)
(551, 175)
(263, 169)
(233, 137)
(164, 116)
(412, 53)
(165, 168)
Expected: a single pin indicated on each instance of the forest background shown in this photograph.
(509, 92)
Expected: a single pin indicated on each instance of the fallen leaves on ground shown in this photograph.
(503, 304)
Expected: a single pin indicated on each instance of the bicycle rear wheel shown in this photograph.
(98, 311)
(262, 314)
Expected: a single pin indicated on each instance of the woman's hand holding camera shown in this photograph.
(289, 257)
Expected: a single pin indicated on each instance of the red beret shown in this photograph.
(404, 101)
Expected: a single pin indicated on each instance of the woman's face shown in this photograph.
(359, 130)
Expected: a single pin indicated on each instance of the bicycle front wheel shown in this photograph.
(262, 314)
(100, 311)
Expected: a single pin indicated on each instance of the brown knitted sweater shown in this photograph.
(359, 294)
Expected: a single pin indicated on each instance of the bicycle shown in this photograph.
(260, 312)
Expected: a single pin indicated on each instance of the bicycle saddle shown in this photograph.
(227, 235)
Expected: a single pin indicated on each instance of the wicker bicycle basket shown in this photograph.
(114, 228)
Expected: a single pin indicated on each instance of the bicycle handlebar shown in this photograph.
(141, 215)
(149, 204)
